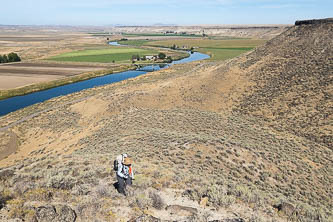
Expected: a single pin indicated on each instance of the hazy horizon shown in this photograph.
(151, 12)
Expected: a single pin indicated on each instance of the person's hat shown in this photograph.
(127, 161)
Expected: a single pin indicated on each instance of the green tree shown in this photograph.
(13, 57)
(4, 59)
(135, 57)
(168, 59)
(1, 59)
(161, 55)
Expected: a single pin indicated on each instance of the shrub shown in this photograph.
(39, 194)
(158, 202)
(2, 201)
(81, 189)
(168, 59)
(89, 207)
(103, 190)
(20, 187)
(61, 182)
(161, 55)
(16, 209)
(143, 201)
(4, 59)
(243, 193)
(11, 57)
(217, 194)
(227, 201)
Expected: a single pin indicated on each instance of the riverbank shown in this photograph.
(19, 102)
(44, 85)
(5, 94)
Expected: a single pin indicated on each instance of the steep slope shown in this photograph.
(294, 77)
(248, 138)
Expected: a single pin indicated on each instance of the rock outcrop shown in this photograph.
(314, 21)
(52, 213)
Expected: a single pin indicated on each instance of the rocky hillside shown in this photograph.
(249, 139)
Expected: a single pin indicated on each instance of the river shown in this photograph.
(19, 102)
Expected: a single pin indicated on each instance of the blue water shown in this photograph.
(115, 44)
(195, 56)
(152, 68)
(19, 102)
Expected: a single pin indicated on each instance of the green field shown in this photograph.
(217, 49)
(139, 42)
(104, 55)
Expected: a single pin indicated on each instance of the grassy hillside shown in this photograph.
(247, 139)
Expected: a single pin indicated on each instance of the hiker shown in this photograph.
(123, 167)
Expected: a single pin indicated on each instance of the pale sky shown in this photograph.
(149, 12)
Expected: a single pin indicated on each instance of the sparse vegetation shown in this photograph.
(161, 55)
(208, 133)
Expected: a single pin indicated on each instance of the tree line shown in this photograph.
(11, 57)
(161, 55)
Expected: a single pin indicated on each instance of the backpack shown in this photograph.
(115, 165)
(118, 160)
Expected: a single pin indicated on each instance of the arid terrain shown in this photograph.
(247, 139)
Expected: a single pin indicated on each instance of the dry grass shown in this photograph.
(185, 132)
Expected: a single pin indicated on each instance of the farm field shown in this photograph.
(22, 78)
(59, 55)
(39, 44)
(217, 49)
(106, 55)
(20, 74)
